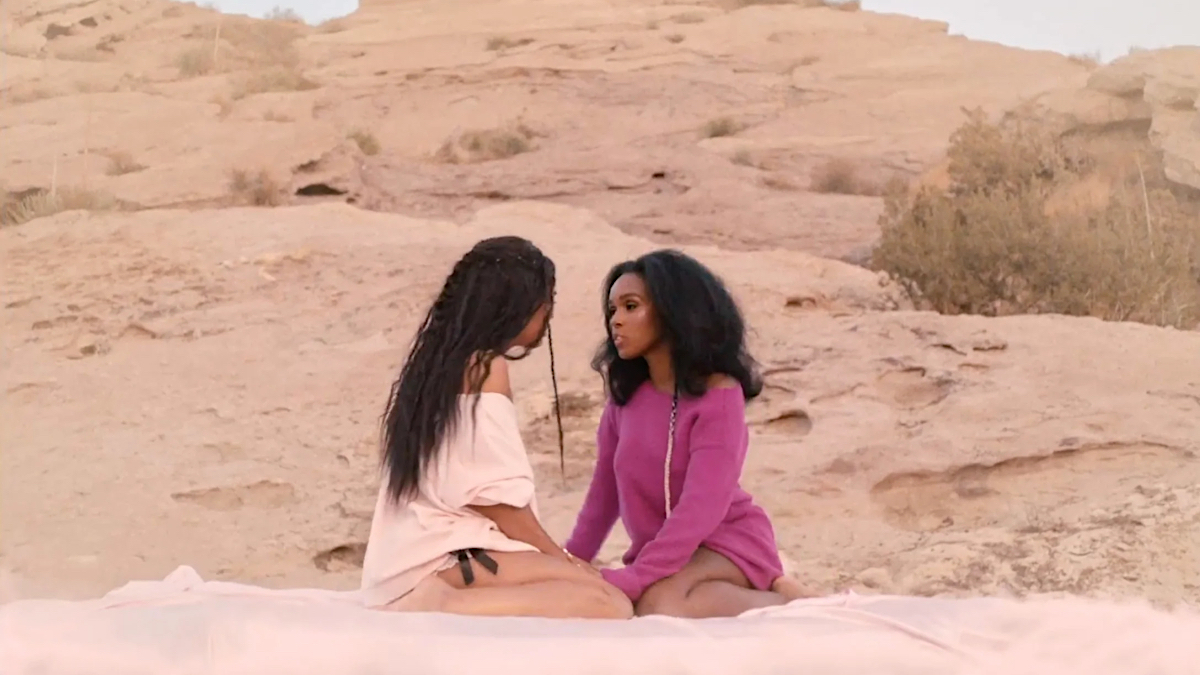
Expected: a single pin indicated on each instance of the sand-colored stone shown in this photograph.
(1156, 92)
(201, 384)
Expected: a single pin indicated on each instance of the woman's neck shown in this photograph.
(662, 372)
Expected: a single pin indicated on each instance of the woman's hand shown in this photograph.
(582, 564)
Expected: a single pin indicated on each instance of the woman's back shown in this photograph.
(482, 461)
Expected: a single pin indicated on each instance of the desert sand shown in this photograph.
(195, 374)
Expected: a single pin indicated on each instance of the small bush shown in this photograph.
(121, 163)
(271, 80)
(1018, 231)
(282, 14)
(365, 141)
(23, 207)
(486, 144)
(840, 176)
(258, 189)
(500, 43)
(721, 126)
(195, 62)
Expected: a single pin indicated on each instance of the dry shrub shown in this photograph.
(365, 141)
(1018, 231)
(258, 189)
(840, 176)
(121, 163)
(1090, 61)
(486, 144)
(22, 207)
(743, 157)
(271, 80)
(721, 126)
(224, 106)
(263, 44)
(282, 14)
(674, 38)
(18, 96)
(240, 44)
(500, 43)
(777, 182)
(81, 53)
(195, 62)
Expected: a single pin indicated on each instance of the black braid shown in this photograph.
(488, 298)
(562, 452)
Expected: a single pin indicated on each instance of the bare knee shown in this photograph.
(662, 599)
(604, 601)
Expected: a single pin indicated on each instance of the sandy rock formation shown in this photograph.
(1155, 91)
(699, 123)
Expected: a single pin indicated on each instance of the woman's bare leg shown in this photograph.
(526, 584)
(791, 589)
(710, 585)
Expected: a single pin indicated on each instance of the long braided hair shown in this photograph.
(489, 297)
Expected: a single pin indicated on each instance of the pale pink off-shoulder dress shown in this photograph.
(482, 463)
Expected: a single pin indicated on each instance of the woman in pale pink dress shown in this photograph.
(455, 527)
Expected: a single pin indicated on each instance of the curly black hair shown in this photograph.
(698, 318)
(489, 297)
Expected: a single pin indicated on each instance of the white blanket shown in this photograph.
(184, 624)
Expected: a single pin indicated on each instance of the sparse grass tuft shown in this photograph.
(743, 157)
(257, 189)
(840, 176)
(366, 141)
(777, 182)
(195, 62)
(1033, 223)
(121, 163)
(272, 79)
(720, 126)
(486, 145)
(224, 106)
(1090, 61)
(500, 43)
(18, 208)
(283, 14)
(237, 44)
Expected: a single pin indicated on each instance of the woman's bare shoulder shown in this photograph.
(497, 380)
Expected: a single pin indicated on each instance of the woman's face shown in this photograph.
(531, 335)
(632, 321)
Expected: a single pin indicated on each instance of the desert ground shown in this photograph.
(219, 234)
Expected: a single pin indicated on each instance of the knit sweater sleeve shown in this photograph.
(600, 507)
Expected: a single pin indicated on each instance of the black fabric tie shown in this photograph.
(464, 563)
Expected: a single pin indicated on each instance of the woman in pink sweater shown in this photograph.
(678, 376)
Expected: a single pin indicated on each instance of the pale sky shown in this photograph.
(1106, 27)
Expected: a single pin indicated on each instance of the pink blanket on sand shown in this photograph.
(184, 624)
